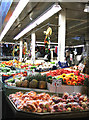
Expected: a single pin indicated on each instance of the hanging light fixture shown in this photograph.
(21, 5)
(51, 11)
(86, 9)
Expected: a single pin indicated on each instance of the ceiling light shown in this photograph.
(51, 11)
(86, 9)
(31, 18)
(21, 5)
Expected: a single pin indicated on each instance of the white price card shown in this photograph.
(56, 82)
(81, 67)
(59, 82)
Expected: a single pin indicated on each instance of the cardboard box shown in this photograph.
(64, 88)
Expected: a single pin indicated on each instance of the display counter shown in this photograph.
(61, 115)
(11, 112)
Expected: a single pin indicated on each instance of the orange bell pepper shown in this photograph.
(74, 83)
(64, 79)
(69, 82)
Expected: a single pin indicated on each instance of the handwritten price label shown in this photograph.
(81, 66)
(56, 82)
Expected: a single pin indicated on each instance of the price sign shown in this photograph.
(81, 67)
(59, 83)
(56, 82)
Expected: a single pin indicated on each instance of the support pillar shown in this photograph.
(61, 35)
(33, 38)
(87, 37)
(86, 46)
(21, 50)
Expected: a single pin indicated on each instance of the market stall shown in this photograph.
(46, 88)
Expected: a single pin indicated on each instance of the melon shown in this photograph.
(18, 83)
(25, 83)
(42, 84)
(33, 83)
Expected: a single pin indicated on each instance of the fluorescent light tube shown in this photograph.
(54, 9)
(86, 9)
(21, 5)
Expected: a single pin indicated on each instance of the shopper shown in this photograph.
(38, 54)
(68, 58)
(42, 51)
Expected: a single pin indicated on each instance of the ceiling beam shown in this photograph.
(78, 30)
(76, 19)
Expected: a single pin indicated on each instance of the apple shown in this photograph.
(55, 107)
(64, 109)
(56, 100)
(59, 110)
(39, 110)
(68, 109)
(84, 105)
(49, 109)
(81, 97)
(53, 110)
(81, 108)
(47, 105)
(44, 110)
(78, 108)
(78, 94)
(65, 95)
(85, 98)
(41, 105)
(80, 103)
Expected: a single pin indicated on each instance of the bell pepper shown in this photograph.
(63, 75)
(64, 79)
(69, 82)
(74, 83)
(79, 83)
(75, 78)
(70, 78)
(71, 74)
(77, 73)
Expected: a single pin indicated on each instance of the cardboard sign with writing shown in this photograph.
(81, 67)
(56, 82)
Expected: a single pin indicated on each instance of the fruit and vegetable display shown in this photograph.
(16, 78)
(33, 81)
(18, 64)
(28, 66)
(73, 79)
(60, 72)
(68, 77)
(43, 102)
(46, 66)
(8, 72)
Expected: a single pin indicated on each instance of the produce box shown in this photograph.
(63, 88)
